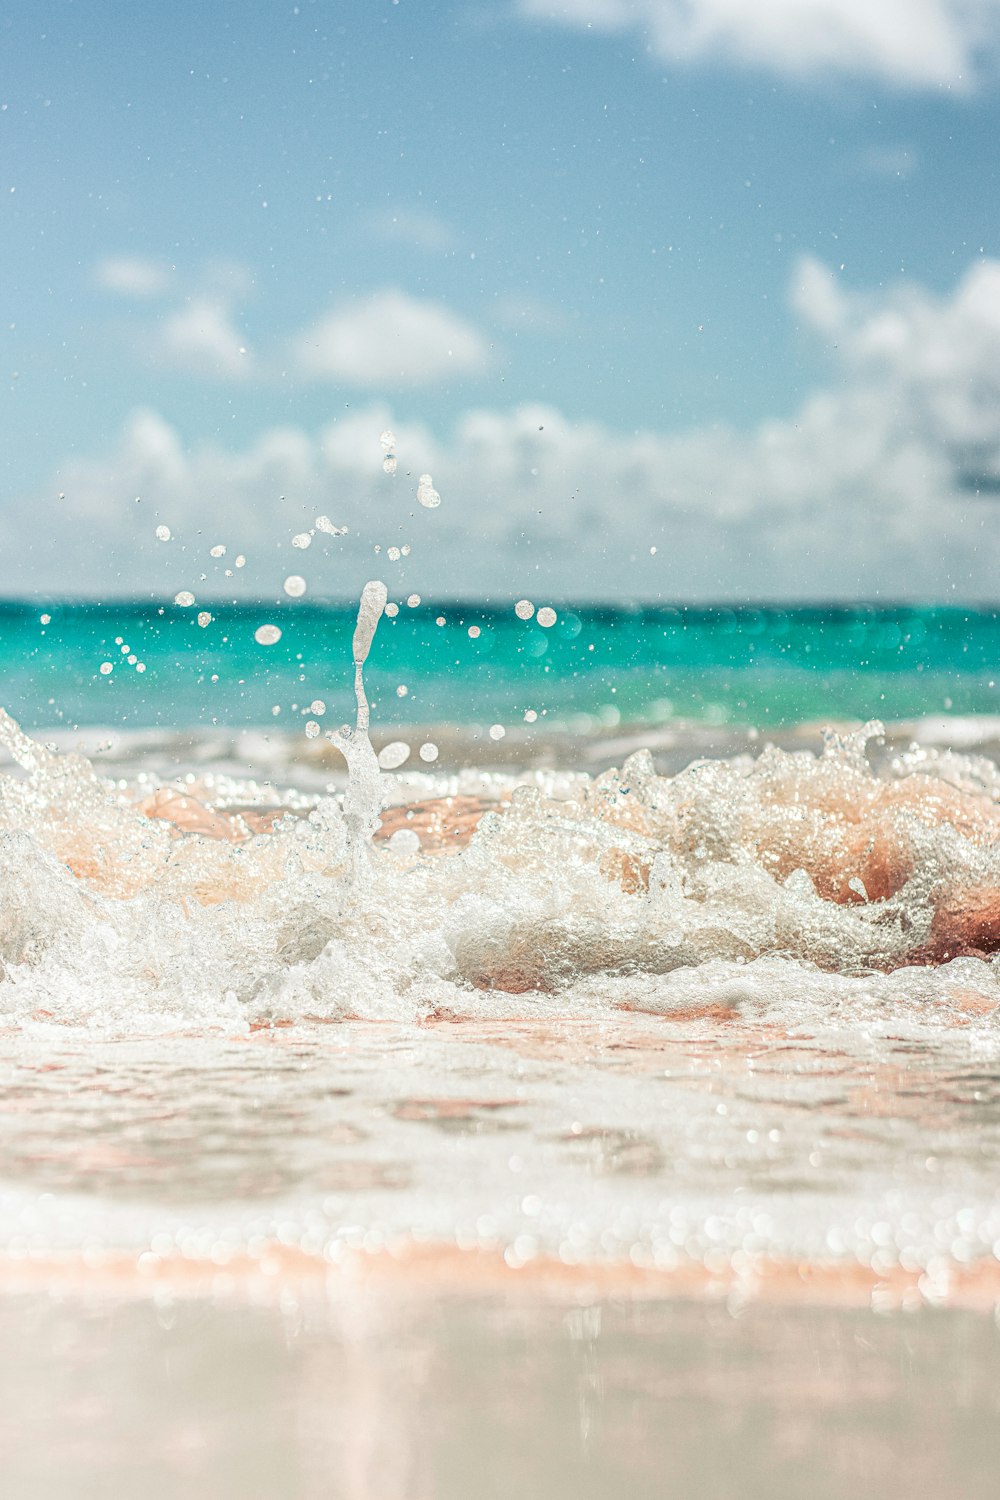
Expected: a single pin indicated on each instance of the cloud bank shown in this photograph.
(886, 483)
(911, 44)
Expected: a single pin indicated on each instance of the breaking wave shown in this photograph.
(791, 884)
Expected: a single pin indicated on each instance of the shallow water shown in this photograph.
(395, 1399)
(567, 1018)
(595, 668)
(687, 1151)
(584, 1025)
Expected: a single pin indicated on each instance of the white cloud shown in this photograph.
(202, 338)
(869, 489)
(390, 339)
(417, 227)
(197, 334)
(134, 276)
(908, 43)
(934, 361)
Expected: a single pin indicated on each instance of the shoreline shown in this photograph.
(283, 757)
(440, 1270)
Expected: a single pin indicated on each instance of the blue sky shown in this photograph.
(708, 277)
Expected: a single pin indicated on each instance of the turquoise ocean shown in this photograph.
(596, 668)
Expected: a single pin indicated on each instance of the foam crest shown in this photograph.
(814, 887)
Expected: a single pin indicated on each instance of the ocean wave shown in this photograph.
(799, 884)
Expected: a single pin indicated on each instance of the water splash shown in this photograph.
(361, 800)
(790, 884)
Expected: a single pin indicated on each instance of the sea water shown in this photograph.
(720, 1019)
(767, 666)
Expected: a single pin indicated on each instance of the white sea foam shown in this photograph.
(791, 884)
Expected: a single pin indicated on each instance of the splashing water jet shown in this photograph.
(361, 799)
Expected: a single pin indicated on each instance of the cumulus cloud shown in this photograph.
(911, 44)
(194, 329)
(882, 484)
(933, 362)
(201, 337)
(390, 339)
(133, 276)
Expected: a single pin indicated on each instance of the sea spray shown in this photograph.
(361, 799)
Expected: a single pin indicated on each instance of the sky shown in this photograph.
(673, 299)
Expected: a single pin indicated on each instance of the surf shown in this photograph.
(748, 881)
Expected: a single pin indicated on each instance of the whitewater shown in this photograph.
(644, 1003)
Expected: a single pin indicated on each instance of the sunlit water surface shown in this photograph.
(359, 1152)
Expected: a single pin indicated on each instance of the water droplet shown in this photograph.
(132, 659)
(302, 539)
(317, 706)
(428, 751)
(204, 618)
(294, 586)
(392, 610)
(393, 554)
(405, 841)
(497, 731)
(402, 690)
(241, 561)
(427, 495)
(524, 609)
(218, 551)
(413, 600)
(312, 729)
(393, 755)
(140, 666)
(387, 440)
(267, 635)
(474, 632)
(106, 667)
(45, 619)
(389, 463)
(323, 523)
(530, 716)
(546, 617)
(440, 620)
(405, 549)
(163, 533)
(185, 598)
